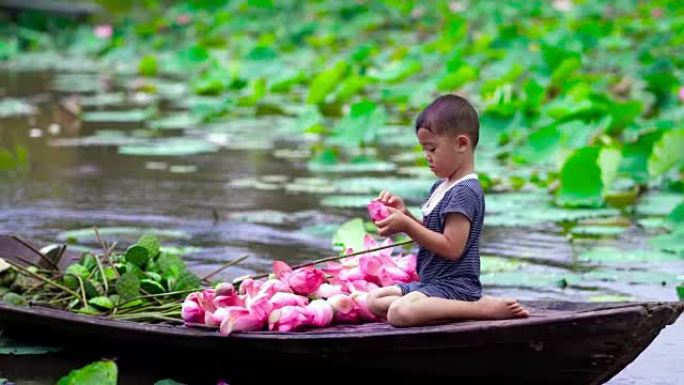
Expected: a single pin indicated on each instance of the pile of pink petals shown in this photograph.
(308, 297)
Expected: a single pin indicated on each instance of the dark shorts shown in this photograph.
(438, 290)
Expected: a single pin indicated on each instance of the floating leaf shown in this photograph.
(98, 373)
(350, 235)
(667, 152)
(325, 82)
(17, 348)
(586, 176)
(129, 116)
(170, 147)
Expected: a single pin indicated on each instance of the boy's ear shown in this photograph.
(463, 142)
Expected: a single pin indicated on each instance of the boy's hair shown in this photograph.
(451, 115)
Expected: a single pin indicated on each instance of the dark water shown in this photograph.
(248, 198)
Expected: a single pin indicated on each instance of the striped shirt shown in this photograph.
(440, 277)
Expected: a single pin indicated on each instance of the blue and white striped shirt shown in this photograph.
(441, 277)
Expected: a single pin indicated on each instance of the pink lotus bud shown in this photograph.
(321, 313)
(226, 296)
(272, 286)
(183, 19)
(327, 290)
(239, 319)
(250, 287)
(103, 31)
(282, 270)
(287, 299)
(306, 281)
(192, 312)
(377, 211)
(288, 318)
(360, 299)
(344, 308)
(681, 94)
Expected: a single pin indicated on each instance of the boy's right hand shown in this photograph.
(392, 200)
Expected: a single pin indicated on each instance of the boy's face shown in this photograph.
(444, 153)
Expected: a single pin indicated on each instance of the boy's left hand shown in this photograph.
(396, 222)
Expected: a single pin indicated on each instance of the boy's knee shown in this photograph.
(400, 314)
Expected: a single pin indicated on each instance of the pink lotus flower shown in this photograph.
(287, 299)
(344, 308)
(103, 31)
(321, 313)
(360, 300)
(306, 281)
(327, 290)
(681, 94)
(191, 311)
(288, 318)
(239, 319)
(377, 211)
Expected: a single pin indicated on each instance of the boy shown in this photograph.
(449, 234)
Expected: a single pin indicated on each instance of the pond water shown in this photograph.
(136, 161)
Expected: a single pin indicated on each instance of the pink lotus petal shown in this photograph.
(377, 211)
(321, 313)
(215, 318)
(225, 288)
(287, 299)
(306, 281)
(327, 290)
(281, 269)
(103, 31)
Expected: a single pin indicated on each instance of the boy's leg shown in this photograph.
(379, 300)
(416, 308)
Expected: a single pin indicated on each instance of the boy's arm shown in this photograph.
(449, 245)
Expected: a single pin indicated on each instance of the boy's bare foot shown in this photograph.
(500, 308)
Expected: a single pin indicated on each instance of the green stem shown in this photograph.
(46, 280)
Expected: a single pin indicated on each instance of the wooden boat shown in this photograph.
(560, 343)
